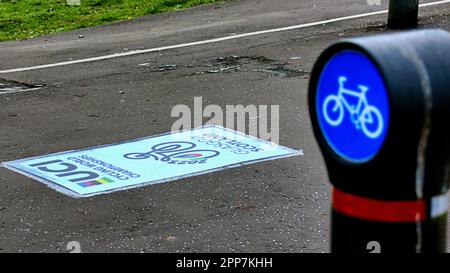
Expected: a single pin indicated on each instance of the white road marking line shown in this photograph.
(4, 91)
(221, 39)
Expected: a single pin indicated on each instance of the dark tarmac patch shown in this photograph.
(253, 63)
(235, 64)
(7, 87)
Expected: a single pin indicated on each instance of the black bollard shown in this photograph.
(403, 14)
(380, 110)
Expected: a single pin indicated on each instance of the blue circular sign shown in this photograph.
(352, 106)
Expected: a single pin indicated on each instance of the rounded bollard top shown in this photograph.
(378, 106)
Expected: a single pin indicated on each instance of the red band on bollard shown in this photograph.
(378, 210)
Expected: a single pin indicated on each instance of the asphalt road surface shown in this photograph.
(275, 206)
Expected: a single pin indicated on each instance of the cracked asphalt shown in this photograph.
(275, 206)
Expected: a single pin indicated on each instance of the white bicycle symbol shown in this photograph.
(362, 114)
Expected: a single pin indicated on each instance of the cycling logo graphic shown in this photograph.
(364, 116)
(176, 152)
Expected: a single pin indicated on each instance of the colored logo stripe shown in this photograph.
(378, 210)
(96, 182)
(104, 180)
(89, 184)
(190, 157)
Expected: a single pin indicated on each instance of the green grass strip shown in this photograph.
(21, 19)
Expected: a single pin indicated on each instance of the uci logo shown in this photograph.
(70, 172)
(176, 152)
